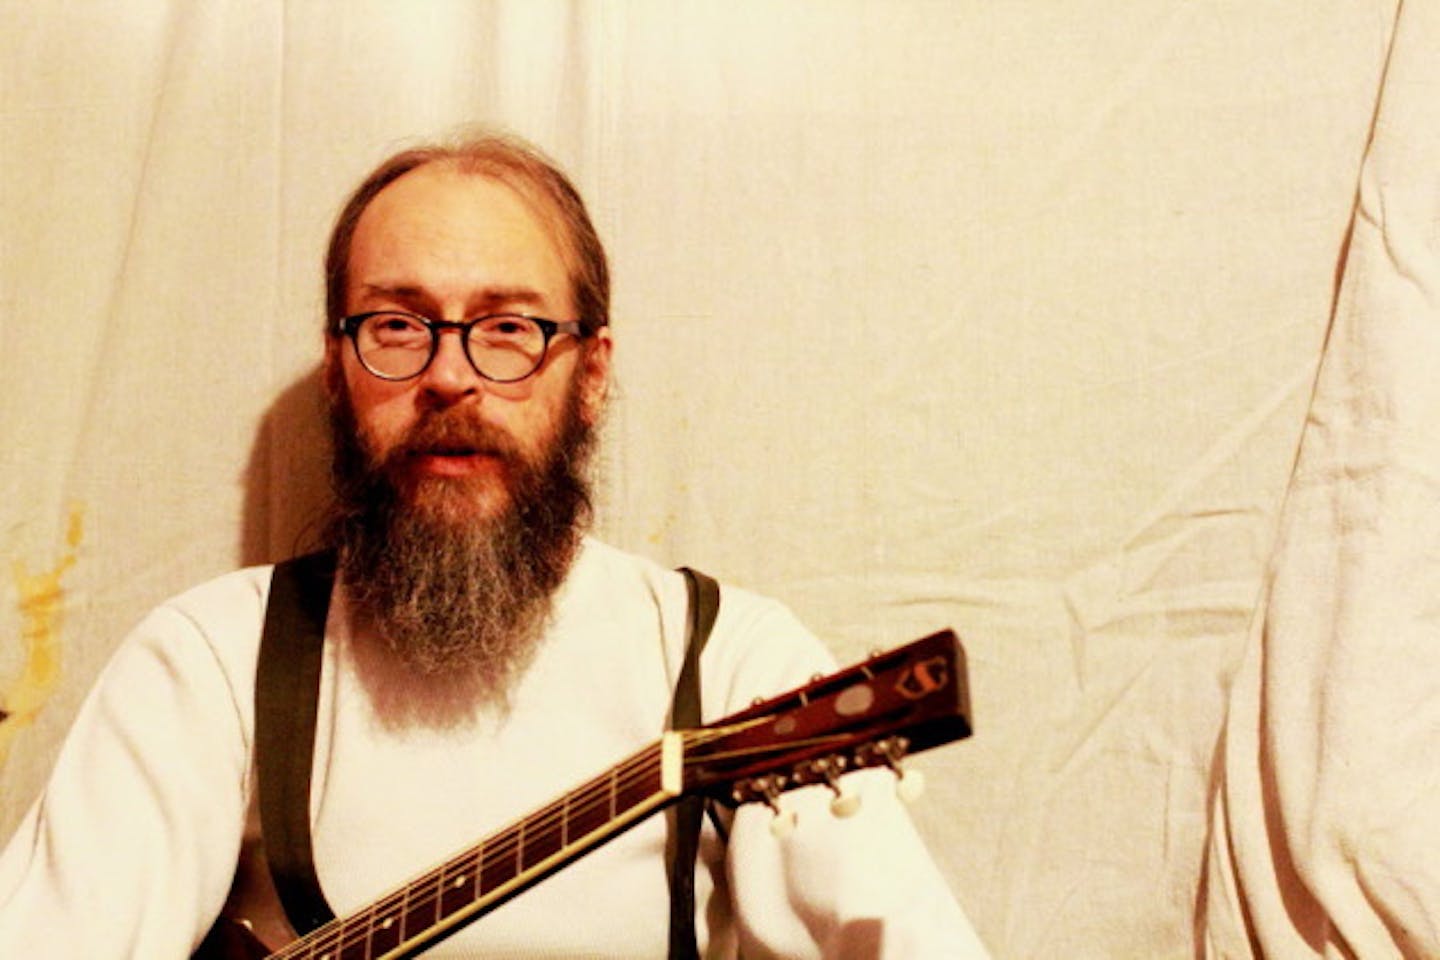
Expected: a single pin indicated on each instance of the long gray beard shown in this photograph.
(450, 595)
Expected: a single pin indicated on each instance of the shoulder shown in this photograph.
(624, 574)
(205, 638)
(225, 602)
(758, 647)
(226, 613)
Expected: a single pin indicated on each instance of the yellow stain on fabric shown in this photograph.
(41, 602)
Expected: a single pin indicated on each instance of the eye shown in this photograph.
(506, 327)
(395, 330)
(507, 332)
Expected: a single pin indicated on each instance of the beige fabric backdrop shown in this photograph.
(1327, 830)
(999, 316)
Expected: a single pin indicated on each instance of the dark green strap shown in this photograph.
(287, 688)
(704, 604)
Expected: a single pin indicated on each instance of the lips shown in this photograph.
(455, 461)
(451, 444)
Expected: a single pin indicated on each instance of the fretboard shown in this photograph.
(472, 883)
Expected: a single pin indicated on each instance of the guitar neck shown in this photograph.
(476, 881)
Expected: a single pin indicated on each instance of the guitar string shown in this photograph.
(336, 933)
(577, 805)
(425, 893)
(591, 797)
(342, 932)
(509, 843)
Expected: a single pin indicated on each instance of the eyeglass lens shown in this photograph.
(398, 346)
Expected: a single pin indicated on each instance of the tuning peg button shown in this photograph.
(845, 805)
(909, 785)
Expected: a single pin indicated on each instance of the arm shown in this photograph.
(863, 887)
(130, 849)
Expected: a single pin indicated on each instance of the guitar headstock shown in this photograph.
(869, 715)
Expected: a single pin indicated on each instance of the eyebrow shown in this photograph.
(482, 301)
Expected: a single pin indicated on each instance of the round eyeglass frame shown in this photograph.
(549, 329)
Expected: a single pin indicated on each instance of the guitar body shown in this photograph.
(228, 940)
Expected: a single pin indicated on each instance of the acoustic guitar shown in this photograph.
(869, 715)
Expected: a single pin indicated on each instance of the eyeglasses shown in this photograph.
(502, 347)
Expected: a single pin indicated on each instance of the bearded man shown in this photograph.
(460, 451)
(480, 654)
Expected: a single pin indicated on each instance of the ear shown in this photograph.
(595, 375)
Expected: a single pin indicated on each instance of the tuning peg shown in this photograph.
(767, 790)
(828, 770)
(842, 805)
(845, 805)
(783, 823)
(909, 784)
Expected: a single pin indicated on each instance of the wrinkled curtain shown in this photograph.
(1327, 825)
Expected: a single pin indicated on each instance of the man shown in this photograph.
(481, 655)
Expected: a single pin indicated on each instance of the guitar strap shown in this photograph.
(287, 690)
(703, 594)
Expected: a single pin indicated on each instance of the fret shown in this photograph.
(495, 869)
(638, 787)
(332, 943)
(486, 874)
(422, 906)
(520, 848)
(385, 925)
(614, 789)
(590, 811)
(324, 950)
(477, 859)
(542, 841)
(457, 885)
(353, 940)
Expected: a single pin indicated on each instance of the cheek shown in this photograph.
(383, 411)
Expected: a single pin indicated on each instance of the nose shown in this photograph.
(450, 376)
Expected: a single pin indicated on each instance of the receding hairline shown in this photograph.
(522, 187)
(532, 176)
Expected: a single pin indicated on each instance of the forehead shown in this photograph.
(449, 232)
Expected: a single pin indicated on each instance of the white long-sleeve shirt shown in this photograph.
(132, 847)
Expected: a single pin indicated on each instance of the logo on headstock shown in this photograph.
(923, 678)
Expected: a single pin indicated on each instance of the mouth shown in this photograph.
(455, 461)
